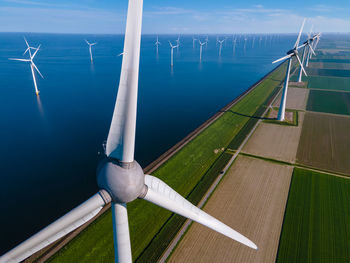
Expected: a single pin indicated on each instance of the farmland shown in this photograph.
(183, 171)
(296, 98)
(316, 226)
(252, 199)
(329, 101)
(329, 65)
(325, 143)
(329, 83)
(328, 72)
(278, 142)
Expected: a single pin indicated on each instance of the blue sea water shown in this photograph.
(49, 144)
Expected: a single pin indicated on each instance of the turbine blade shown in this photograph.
(312, 50)
(122, 247)
(37, 70)
(121, 136)
(301, 30)
(19, 59)
(62, 226)
(87, 42)
(301, 65)
(26, 42)
(37, 49)
(280, 59)
(26, 50)
(162, 195)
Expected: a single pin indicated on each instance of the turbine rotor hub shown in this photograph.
(124, 182)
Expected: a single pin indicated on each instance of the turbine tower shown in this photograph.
(172, 53)
(157, 44)
(290, 54)
(90, 45)
(119, 176)
(32, 65)
(220, 43)
(200, 49)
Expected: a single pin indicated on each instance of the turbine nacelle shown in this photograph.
(125, 182)
(293, 52)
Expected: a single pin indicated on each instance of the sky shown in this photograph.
(174, 17)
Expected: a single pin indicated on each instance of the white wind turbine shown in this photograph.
(200, 49)
(90, 45)
(220, 43)
(178, 42)
(32, 65)
(119, 176)
(234, 44)
(290, 54)
(193, 41)
(172, 53)
(157, 43)
(306, 51)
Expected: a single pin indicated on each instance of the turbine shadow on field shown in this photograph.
(249, 116)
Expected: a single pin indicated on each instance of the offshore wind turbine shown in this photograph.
(193, 40)
(119, 176)
(172, 54)
(90, 45)
(178, 42)
(32, 65)
(200, 49)
(290, 54)
(157, 43)
(220, 43)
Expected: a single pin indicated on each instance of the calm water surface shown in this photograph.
(49, 144)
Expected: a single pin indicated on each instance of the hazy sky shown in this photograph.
(180, 16)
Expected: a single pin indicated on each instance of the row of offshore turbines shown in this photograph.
(236, 39)
(120, 178)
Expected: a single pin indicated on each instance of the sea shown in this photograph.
(50, 144)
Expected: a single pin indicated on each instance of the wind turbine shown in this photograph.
(220, 43)
(32, 65)
(290, 54)
(157, 44)
(90, 45)
(119, 176)
(234, 45)
(172, 53)
(306, 50)
(178, 42)
(28, 47)
(200, 49)
(193, 40)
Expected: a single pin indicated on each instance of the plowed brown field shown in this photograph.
(251, 198)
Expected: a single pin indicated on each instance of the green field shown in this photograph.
(316, 225)
(328, 72)
(184, 172)
(330, 65)
(331, 60)
(329, 101)
(331, 83)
